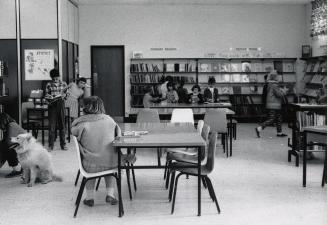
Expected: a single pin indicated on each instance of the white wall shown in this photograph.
(38, 19)
(192, 29)
(69, 21)
(7, 19)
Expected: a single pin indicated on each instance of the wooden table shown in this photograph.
(170, 135)
(201, 109)
(300, 107)
(314, 134)
(42, 112)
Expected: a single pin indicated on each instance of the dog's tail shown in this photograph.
(57, 178)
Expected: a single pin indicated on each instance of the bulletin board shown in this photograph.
(38, 63)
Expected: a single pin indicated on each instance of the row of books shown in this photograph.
(315, 67)
(156, 78)
(310, 119)
(246, 78)
(317, 79)
(179, 67)
(247, 66)
(145, 67)
(3, 68)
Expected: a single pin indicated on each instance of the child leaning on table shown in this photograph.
(148, 98)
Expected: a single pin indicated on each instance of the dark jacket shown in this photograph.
(200, 98)
(182, 95)
(264, 94)
(275, 96)
(207, 95)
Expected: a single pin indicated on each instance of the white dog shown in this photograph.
(35, 160)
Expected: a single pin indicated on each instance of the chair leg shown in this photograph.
(129, 184)
(158, 156)
(209, 189)
(134, 180)
(234, 130)
(213, 193)
(168, 176)
(171, 188)
(175, 191)
(226, 144)
(204, 183)
(77, 177)
(324, 171)
(166, 169)
(119, 196)
(79, 196)
(98, 183)
(223, 142)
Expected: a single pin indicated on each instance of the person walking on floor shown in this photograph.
(274, 100)
(55, 94)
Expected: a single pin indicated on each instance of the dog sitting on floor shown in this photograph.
(34, 159)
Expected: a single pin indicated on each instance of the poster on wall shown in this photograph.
(38, 63)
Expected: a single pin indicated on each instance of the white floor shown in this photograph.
(255, 186)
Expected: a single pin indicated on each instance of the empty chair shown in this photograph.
(34, 120)
(205, 171)
(216, 119)
(87, 176)
(182, 116)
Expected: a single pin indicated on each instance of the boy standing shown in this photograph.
(55, 94)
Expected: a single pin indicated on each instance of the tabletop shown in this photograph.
(193, 105)
(160, 135)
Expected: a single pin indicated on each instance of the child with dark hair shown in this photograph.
(211, 93)
(182, 92)
(163, 87)
(55, 95)
(196, 96)
(148, 98)
(171, 95)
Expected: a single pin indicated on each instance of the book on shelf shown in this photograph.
(176, 67)
(215, 67)
(316, 67)
(182, 67)
(323, 67)
(310, 119)
(317, 79)
(235, 67)
(237, 78)
(288, 66)
(224, 67)
(267, 66)
(256, 67)
(225, 78)
(289, 78)
(278, 66)
(226, 90)
(245, 78)
(169, 67)
(237, 89)
(205, 67)
(245, 90)
(246, 66)
(260, 78)
(253, 78)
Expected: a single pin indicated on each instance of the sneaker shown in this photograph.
(14, 173)
(89, 202)
(282, 135)
(64, 148)
(257, 132)
(111, 200)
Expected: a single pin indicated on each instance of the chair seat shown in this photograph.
(189, 151)
(191, 171)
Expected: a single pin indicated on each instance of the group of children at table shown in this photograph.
(176, 93)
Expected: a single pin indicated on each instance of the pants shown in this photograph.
(57, 117)
(274, 115)
(8, 155)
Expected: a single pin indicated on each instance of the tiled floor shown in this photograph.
(255, 186)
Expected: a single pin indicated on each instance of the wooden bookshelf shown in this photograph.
(151, 71)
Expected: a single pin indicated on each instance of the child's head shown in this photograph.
(93, 105)
(81, 82)
(196, 89)
(211, 81)
(170, 86)
(54, 74)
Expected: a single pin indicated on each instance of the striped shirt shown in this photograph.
(56, 88)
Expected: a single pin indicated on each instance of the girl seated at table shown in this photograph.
(171, 95)
(196, 96)
(148, 98)
(95, 131)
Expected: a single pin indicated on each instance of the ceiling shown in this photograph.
(189, 2)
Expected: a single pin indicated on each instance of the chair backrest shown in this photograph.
(182, 116)
(148, 116)
(79, 158)
(209, 166)
(216, 119)
(200, 126)
(26, 105)
(205, 132)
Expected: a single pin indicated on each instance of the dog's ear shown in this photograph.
(28, 136)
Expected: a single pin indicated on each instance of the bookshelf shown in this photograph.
(3, 89)
(315, 77)
(238, 80)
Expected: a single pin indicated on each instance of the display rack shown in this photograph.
(238, 80)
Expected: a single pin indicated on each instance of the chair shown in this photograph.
(182, 116)
(34, 122)
(189, 157)
(205, 171)
(217, 120)
(149, 116)
(88, 176)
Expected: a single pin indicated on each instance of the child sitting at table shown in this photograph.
(211, 93)
(148, 98)
(196, 96)
(171, 95)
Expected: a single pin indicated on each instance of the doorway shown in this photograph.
(108, 77)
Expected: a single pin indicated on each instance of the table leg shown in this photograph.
(69, 125)
(42, 124)
(119, 184)
(324, 171)
(304, 159)
(230, 137)
(199, 181)
(28, 121)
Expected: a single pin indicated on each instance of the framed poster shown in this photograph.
(38, 63)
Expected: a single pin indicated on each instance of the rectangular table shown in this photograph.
(314, 134)
(201, 110)
(169, 135)
(42, 112)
